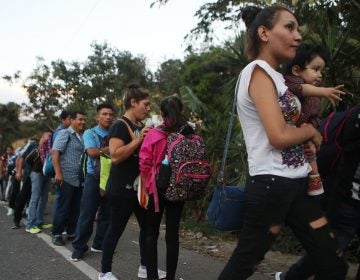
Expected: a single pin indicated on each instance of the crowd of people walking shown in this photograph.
(279, 118)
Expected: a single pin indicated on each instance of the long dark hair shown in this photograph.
(172, 112)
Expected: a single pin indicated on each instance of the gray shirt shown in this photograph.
(71, 146)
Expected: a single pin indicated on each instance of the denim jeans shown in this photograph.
(173, 216)
(66, 208)
(272, 201)
(91, 201)
(121, 208)
(38, 200)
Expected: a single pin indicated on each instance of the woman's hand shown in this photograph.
(143, 133)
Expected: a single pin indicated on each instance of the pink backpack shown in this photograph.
(190, 168)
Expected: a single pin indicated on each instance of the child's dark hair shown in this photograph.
(304, 55)
(134, 91)
(104, 105)
(172, 110)
(254, 17)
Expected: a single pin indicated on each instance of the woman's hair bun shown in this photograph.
(248, 14)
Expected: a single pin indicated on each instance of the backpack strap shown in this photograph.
(326, 126)
(131, 132)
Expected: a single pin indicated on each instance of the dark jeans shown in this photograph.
(153, 219)
(66, 208)
(272, 201)
(2, 189)
(21, 199)
(91, 201)
(121, 208)
(345, 221)
(15, 189)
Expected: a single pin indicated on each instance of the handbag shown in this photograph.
(227, 205)
(105, 166)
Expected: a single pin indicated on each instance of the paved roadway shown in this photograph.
(33, 256)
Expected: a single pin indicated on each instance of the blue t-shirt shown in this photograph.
(91, 140)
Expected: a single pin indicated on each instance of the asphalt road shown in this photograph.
(33, 256)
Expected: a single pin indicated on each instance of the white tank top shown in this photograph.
(262, 157)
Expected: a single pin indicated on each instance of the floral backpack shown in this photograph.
(189, 164)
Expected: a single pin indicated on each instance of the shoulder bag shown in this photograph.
(226, 209)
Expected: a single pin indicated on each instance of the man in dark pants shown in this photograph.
(95, 142)
(66, 153)
(22, 178)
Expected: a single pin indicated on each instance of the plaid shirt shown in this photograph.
(310, 105)
(71, 147)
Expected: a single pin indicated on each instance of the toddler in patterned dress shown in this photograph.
(303, 78)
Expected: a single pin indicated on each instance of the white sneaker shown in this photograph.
(107, 276)
(10, 212)
(92, 249)
(142, 272)
(278, 275)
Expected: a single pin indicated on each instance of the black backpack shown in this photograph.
(331, 149)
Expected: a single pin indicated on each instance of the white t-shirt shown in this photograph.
(262, 157)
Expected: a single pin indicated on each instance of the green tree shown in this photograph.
(9, 123)
(82, 85)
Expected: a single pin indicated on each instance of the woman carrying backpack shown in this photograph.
(152, 153)
(125, 138)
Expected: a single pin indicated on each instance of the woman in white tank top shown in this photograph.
(276, 188)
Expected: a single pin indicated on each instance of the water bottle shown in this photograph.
(165, 161)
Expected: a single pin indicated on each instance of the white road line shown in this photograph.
(88, 270)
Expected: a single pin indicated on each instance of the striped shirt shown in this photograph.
(71, 146)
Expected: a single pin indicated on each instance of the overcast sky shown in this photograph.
(64, 29)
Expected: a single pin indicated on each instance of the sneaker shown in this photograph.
(45, 226)
(33, 230)
(92, 249)
(107, 276)
(315, 185)
(277, 276)
(76, 256)
(58, 241)
(142, 272)
(16, 226)
(10, 212)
